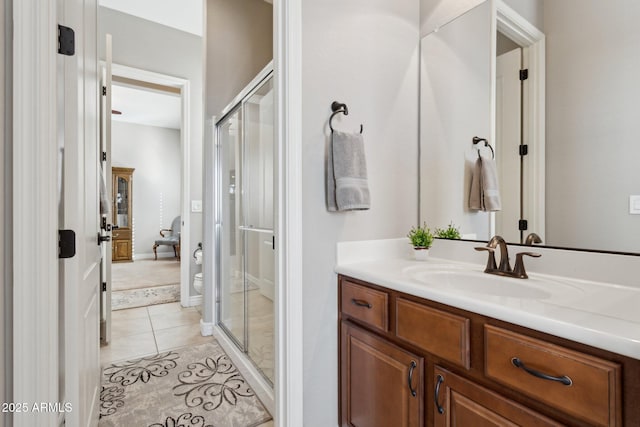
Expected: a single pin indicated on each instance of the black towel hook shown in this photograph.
(486, 144)
(337, 108)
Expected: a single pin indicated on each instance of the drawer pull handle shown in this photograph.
(410, 378)
(360, 303)
(436, 396)
(519, 364)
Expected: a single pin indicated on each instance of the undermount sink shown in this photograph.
(481, 283)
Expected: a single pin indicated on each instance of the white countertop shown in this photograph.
(601, 315)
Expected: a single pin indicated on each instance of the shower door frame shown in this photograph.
(236, 105)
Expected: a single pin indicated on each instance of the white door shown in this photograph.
(106, 191)
(80, 275)
(508, 136)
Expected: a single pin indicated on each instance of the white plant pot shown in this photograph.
(421, 254)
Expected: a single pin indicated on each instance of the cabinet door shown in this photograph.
(381, 384)
(121, 250)
(459, 402)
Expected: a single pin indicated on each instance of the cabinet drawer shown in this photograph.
(121, 234)
(365, 304)
(579, 384)
(440, 333)
(460, 402)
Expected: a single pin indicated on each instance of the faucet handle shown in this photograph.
(491, 260)
(518, 269)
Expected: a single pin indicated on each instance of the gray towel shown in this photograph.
(347, 187)
(484, 194)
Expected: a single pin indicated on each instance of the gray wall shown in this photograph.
(153, 47)
(6, 294)
(154, 152)
(592, 145)
(364, 53)
(239, 37)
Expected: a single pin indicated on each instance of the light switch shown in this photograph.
(196, 206)
(634, 205)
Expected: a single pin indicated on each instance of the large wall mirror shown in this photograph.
(577, 113)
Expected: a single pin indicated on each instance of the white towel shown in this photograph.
(484, 194)
(347, 186)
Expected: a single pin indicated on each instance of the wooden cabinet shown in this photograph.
(381, 383)
(470, 369)
(122, 234)
(462, 403)
(583, 385)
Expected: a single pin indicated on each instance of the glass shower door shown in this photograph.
(231, 279)
(258, 228)
(245, 229)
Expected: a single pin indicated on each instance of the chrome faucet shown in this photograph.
(505, 267)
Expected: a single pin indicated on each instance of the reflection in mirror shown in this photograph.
(590, 130)
(455, 95)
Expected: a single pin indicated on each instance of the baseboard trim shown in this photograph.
(206, 328)
(194, 300)
(161, 255)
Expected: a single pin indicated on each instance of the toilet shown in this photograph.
(197, 278)
(197, 282)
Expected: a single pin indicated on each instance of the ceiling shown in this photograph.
(185, 15)
(146, 107)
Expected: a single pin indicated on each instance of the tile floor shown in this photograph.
(138, 332)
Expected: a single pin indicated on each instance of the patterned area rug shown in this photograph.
(132, 298)
(144, 273)
(196, 386)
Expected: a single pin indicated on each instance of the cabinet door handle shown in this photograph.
(410, 378)
(519, 364)
(436, 396)
(360, 303)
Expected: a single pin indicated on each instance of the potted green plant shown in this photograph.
(421, 238)
(451, 232)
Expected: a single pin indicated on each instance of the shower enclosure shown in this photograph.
(244, 224)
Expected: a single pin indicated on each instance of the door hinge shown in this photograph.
(523, 225)
(523, 149)
(104, 156)
(273, 242)
(66, 243)
(66, 41)
(524, 74)
(104, 91)
(104, 286)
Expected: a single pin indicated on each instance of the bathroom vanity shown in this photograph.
(419, 346)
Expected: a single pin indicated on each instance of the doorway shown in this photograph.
(146, 176)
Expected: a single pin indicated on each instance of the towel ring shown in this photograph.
(199, 248)
(337, 108)
(476, 140)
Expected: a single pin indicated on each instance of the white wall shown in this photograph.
(592, 123)
(154, 152)
(153, 47)
(364, 53)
